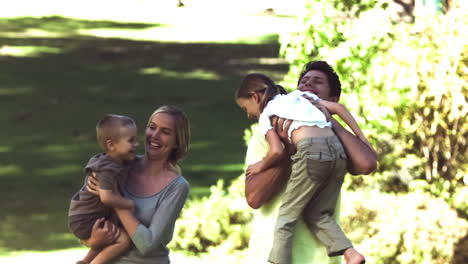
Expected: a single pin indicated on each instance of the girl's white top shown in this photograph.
(295, 107)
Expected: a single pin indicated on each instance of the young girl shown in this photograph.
(319, 164)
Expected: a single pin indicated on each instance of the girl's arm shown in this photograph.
(343, 113)
(274, 154)
(261, 187)
(362, 159)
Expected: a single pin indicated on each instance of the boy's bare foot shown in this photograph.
(352, 256)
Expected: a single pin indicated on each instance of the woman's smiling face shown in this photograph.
(160, 136)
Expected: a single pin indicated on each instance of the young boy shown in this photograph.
(116, 135)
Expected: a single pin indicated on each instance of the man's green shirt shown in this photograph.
(307, 249)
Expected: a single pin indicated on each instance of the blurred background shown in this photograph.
(403, 68)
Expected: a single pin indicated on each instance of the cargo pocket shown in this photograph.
(319, 165)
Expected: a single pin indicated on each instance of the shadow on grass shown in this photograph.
(50, 103)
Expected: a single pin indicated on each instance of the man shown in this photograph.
(264, 190)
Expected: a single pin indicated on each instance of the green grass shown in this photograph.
(57, 81)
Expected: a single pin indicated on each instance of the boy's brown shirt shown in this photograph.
(108, 171)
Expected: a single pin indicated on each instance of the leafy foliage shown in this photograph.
(410, 228)
(408, 86)
(407, 83)
(220, 220)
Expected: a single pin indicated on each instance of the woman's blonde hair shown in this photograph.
(182, 131)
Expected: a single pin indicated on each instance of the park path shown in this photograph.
(198, 21)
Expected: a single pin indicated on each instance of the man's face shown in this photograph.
(316, 82)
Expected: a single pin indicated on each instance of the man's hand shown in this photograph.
(103, 233)
(320, 105)
(282, 126)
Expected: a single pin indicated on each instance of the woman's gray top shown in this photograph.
(157, 214)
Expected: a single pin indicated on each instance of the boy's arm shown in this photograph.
(109, 198)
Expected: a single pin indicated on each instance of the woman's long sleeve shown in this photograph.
(160, 230)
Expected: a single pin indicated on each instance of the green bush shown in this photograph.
(389, 229)
(407, 83)
(402, 229)
(220, 220)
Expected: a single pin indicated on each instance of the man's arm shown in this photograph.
(361, 158)
(274, 154)
(345, 115)
(260, 188)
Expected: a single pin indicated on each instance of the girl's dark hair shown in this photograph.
(259, 83)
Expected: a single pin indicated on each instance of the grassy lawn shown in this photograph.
(61, 72)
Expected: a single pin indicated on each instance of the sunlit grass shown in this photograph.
(194, 74)
(4, 149)
(71, 256)
(16, 91)
(9, 170)
(59, 170)
(223, 167)
(27, 51)
(200, 21)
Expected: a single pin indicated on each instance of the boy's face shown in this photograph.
(250, 106)
(125, 147)
(316, 82)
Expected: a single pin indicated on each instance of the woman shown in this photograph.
(156, 187)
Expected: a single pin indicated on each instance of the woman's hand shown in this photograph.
(103, 233)
(93, 184)
(254, 168)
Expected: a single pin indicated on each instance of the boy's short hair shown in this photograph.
(108, 128)
(323, 66)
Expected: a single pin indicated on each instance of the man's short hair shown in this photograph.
(323, 66)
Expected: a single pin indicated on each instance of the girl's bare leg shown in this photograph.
(352, 256)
